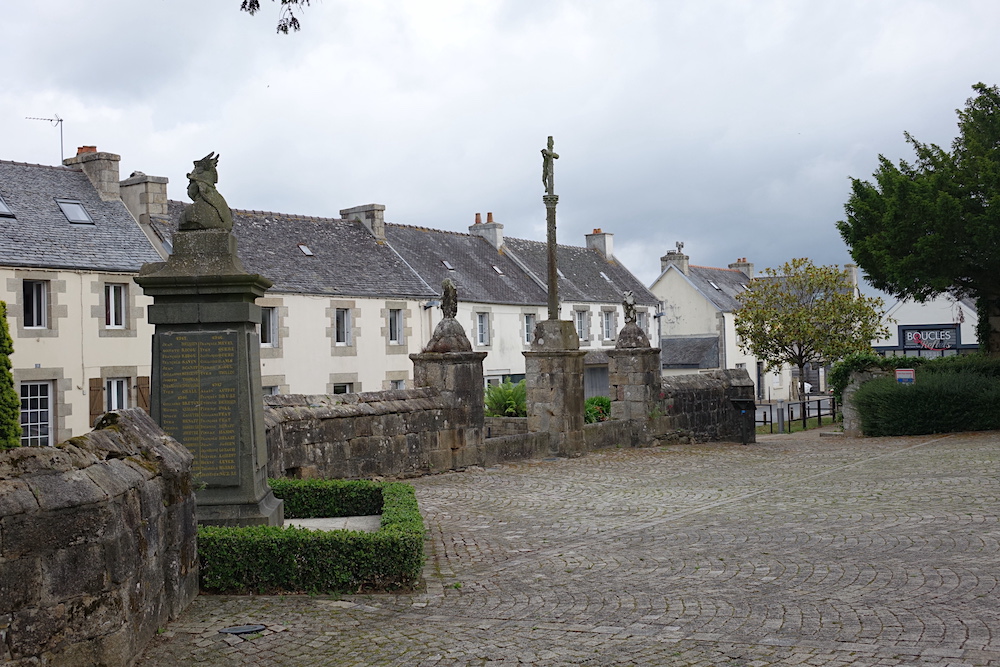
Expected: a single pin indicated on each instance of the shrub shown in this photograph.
(840, 374)
(10, 402)
(938, 402)
(507, 400)
(597, 409)
(267, 559)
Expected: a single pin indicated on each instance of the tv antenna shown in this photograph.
(55, 120)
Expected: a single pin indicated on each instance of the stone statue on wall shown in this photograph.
(449, 298)
(548, 171)
(209, 209)
(628, 304)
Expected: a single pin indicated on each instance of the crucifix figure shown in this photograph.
(548, 176)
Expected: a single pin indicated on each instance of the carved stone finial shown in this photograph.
(680, 246)
(209, 209)
(628, 304)
(449, 298)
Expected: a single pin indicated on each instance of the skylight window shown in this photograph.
(74, 211)
(497, 269)
(744, 286)
(605, 276)
(714, 285)
(559, 271)
(305, 250)
(447, 265)
(5, 211)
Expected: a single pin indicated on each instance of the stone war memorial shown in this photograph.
(206, 389)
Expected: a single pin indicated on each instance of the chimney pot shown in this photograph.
(86, 149)
(489, 218)
(479, 218)
(597, 230)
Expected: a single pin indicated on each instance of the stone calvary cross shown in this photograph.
(551, 199)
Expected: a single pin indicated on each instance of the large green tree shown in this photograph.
(802, 313)
(933, 227)
(10, 404)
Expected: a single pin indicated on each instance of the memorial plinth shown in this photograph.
(206, 388)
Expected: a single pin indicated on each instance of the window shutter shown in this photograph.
(96, 394)
(142, 392)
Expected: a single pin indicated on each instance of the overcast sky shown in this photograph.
(730, 126)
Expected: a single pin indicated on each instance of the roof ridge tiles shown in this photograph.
(714, 268)
(57, 167)
(291, 216)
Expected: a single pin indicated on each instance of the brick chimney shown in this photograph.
(743, 265)
(675, 258)
(489, 230)
(100, 168)
(372, 216)
(602, 242)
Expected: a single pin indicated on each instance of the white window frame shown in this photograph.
(580, 321)
(268, 326)
(529, 327)
(482, 328)
(116, 394)
(270, 390)
(36, 304)
(115, 300)
(395, 326)
(343, 387)
(642, 320)
(397, 384)
(608, 324)
(36, 416)
(342, 327)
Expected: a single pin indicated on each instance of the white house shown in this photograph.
(697, 325)
(935, 328)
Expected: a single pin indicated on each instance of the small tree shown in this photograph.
(286, 19)
(10, 404)
(805, 313)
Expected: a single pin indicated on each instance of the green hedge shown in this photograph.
(266, 559)
(938, 402)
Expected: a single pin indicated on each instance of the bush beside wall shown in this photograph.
(267, 559)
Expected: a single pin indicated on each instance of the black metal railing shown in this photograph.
(781, 414)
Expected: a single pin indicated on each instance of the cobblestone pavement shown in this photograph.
(798, 550)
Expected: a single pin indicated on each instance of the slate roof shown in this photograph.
(690, 352)
(346, 260)
(472, 259)
(730, 285)
(582, 269)
(40, 235)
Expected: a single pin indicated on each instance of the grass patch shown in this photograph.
(267, 559)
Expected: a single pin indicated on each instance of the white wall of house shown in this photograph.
(942, 310)
(76, 346)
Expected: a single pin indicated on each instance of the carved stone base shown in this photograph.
(268, 511)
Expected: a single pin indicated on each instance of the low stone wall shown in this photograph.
(699, 407)
(392, 433)
(99, 544)
(514, 448)
(499, 427)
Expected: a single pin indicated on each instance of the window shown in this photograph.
(74, 211)
(36, 414)
(5, 211)
(270, 390)
(116, 394)
(529, 328)
(641, 320)
(397, 384)
(343, 388)
(305, 250)
(36, 297)
(396, 326)
(482, 328)
(580, 320)
(269, 326)
(608, 324)
(114, 305)
(342, 325)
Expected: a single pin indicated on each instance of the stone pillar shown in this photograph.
(634, 376)
(448, 363)
(554, 373)
(206, 389)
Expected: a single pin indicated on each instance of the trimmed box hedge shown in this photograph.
(267, 559)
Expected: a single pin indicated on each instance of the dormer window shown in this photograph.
(5, 211)
(74, 211)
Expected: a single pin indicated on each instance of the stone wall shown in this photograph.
(500, 427)
(99, 544)
(852, 420)
(699, 407)
(373, 434)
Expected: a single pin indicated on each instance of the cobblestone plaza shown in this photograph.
(797, 550)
